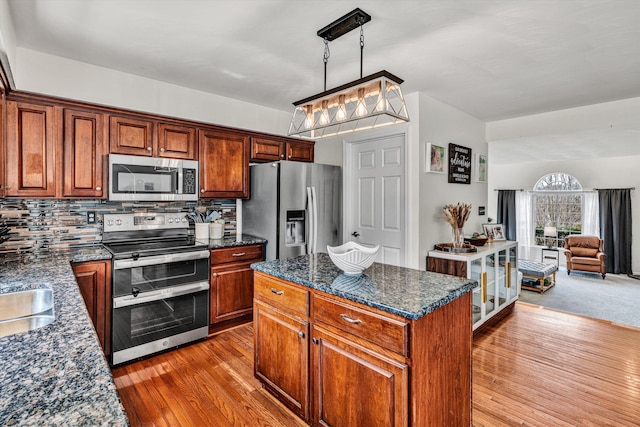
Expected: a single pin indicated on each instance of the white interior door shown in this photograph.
(375, 197)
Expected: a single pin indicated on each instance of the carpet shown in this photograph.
(616, 298)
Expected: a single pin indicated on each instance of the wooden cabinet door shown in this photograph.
(83, 154)
(30, 150)
(177, 142)
(94, 281)
(266, 150)
(300, 151)
(282, 356)
(224, 164)
(130, 136)
(381, 384)
(231, 292)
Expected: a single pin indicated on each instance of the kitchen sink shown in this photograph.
(23, 311)
(25, 324)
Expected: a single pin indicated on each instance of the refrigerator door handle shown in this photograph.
(315, 219)
(311, 220)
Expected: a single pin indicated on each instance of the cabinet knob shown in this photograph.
(289, 156)
(149, 148)
(314, 340)
(162, 150)
(98, 188)
(202, 190)
(282, 156)
(301, 334)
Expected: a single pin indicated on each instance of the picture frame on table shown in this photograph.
(481, 167)
(495, 230)
(435, 158)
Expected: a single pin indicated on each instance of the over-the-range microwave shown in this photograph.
(139, 178)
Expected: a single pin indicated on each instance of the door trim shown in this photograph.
(348, 148)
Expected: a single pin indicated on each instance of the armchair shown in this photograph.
(585, 253)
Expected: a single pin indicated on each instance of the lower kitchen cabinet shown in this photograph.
(362, 370)
(281, 356)
(94, 281)
(232, 282)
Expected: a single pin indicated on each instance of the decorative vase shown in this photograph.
(457, 237)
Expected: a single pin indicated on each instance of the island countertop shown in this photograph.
(56, 374)
(403, 291)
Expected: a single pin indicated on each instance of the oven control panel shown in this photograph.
(144, 221)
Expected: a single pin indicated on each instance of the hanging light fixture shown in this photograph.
(368, 102)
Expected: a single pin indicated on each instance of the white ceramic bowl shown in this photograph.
(352, 258)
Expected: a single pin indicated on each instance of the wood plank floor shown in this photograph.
(537, 367)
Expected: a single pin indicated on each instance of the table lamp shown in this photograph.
(550, 233)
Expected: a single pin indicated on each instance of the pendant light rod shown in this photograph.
(341, 26)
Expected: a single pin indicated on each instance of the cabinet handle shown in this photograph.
(98, 188)
(277, 292)
(301, 334)
(484, 287)
(239, 254)
(7, 187)
(149, 148)
(350, 320)
(162, 150)
(282, 156)
(508, 275)
(314, 340)
(202, 190)
(289, 156)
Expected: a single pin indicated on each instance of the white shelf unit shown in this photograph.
(494, 266)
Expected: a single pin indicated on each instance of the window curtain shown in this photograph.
(615, 229)
(524, 223)
(590, 214)
(507, 212)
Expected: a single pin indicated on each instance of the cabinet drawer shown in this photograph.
(386, 332)
(280, 294)
(236, 254)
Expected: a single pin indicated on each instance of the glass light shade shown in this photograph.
(372, 101)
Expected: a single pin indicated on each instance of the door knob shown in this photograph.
(355, 234)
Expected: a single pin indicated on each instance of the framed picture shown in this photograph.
(481, 168)
(460, 161)
(435, 158)
(494, 230)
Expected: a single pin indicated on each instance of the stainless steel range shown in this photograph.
(160, 283)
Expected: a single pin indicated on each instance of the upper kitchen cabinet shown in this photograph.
(130, 136)
(269, 150)
(224, 164)
(177, 142)
(30, 165)
(84, 154)
(141, 137)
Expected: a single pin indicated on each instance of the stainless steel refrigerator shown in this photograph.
(295, 206)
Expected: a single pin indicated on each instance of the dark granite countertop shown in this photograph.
(403, 291)
(229, 242)
(57, 374)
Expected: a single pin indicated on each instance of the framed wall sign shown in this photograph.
(459, 164)
(435, 158)
(481, 168)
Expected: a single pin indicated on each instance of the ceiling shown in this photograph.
(493, 59)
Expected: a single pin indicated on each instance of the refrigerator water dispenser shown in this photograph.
(295, 235)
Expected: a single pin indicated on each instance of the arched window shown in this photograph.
(557, 201)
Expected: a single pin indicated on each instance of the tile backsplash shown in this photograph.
(40, 225)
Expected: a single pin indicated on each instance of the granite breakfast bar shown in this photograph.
(56, 374)
(389, 347)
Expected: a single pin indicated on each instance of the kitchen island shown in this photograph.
(56, 374)
(389, 347)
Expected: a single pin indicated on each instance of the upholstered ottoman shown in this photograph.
(538, 271)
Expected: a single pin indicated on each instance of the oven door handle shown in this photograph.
(159, 259)
(160, 294)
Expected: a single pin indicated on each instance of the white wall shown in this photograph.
(7, 39)
(441, 124)
(53, 75)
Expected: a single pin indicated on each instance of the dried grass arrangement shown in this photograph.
(456, 215)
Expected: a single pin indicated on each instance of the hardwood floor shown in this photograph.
(537, 367)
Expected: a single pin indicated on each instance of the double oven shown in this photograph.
(160, 286)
